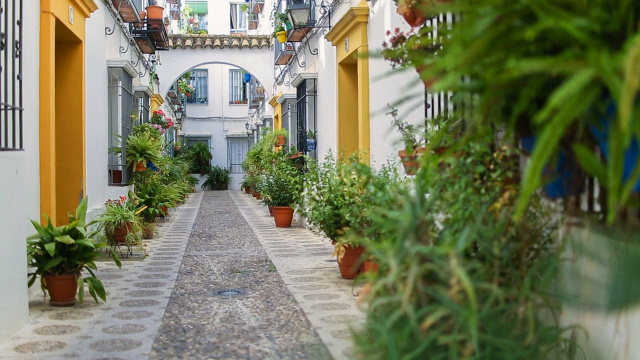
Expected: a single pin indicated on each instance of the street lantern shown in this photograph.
(179, 112)
(298, 13)
(246, 125)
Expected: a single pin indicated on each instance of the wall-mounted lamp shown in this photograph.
(300, 11)
(179, 112)
(246, 125)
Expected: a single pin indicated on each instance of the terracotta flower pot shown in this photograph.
(411, 162)
(62, 289)
(349, 264)
(247, 190)
(283, 216)
(370, 266)
(165, 210)
(149, 230)
(141, 166)
(270, 210)
(120, 232)
(154, 12)
(258, 197)
(281, 140)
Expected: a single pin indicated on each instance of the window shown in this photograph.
(237, 87)
(237, 148)
(200, 81)
(121, 107)
(238, 19)
(11, 137)
(306, 114)
(197, 20)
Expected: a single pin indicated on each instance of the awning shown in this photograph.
(199, 7)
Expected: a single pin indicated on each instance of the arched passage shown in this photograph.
(251, 53)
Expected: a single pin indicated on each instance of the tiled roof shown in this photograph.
(195, 41)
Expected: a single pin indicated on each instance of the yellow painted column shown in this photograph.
(62, 105)
(47, 115)
(363, 99)
(349, 36)
(156, 102)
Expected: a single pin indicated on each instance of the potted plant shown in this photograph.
(312, 138)
(121, 221)
(142, 148)
(201, 156)
(413, 139)
(281, 191)
(185, 88)
(280, 20)
(218, 178)
(147, 191)
(58, 255)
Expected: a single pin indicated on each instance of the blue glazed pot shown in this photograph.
(560, 179)
(247, 77)
(311, 144)
(602, 137)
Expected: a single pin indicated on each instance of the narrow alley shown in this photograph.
(219, 282)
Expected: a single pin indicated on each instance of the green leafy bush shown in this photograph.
(283, 186)
(458, 278)
(217, 178)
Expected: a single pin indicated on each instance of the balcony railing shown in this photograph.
(129, 10)
(150, 35)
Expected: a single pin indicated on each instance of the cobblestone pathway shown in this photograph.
(181, 301)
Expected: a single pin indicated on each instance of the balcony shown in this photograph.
(129, 10)
(150, 35)
(283, 52)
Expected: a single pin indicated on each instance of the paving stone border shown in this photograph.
(124, 327)
(311, 275)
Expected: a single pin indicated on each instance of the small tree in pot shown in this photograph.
(59, 255)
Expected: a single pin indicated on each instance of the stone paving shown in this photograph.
(292, 304)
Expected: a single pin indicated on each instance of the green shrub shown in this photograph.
(217, 178)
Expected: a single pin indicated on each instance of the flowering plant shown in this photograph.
(184, 87)
(160, 121)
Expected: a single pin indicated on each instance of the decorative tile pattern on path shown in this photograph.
(293, 304)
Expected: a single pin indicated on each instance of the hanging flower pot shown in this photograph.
(411, 14)
(247, 77)
(283, 216)
(62, 289)
(311, 144)
(141, 166)
(188, 94)
(349, 263)
(411, 162)
(282, 36)
(281, 140)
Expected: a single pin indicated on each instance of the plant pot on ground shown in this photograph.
(149, 230)
(121, 223)
(349, 260)
(60, 254)
(281, 188)
(218, 178)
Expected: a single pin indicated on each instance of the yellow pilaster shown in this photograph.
(62, 104)
(349, 36)
(277, 112)
(156, 102)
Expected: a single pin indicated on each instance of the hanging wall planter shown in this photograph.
(281, 140)
(282, 36)
(311, 144)
(411, 162)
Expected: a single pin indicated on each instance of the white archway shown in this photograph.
(251, 53)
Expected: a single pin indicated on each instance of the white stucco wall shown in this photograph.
(20, 189)
(101, 48)
(217, 119)
(385, 86)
